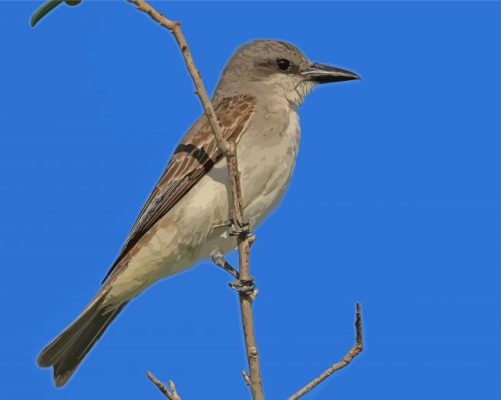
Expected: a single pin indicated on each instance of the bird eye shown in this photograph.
(283, 64)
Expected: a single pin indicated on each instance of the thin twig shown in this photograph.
(247, 294)
(246, 301)
(240, 226)
(170, 394)
(354, 351)
(175, 28)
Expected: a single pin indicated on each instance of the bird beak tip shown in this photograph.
(322, 73)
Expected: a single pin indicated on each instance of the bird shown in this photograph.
(186, 216)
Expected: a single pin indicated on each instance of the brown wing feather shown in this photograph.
(192, 159)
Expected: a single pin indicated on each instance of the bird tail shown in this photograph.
(66, 352)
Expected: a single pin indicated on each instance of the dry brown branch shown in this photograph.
(246, 301)
(240, 226)
(354, 351)
(248, 293)
(175, 28)
(170, 393)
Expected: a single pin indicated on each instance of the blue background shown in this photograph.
(395, 201)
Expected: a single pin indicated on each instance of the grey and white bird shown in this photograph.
(185, 217)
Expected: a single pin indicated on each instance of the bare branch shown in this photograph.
(175, 28)
(354, 351)
(247, 293)
(173, 390)
(170, 394)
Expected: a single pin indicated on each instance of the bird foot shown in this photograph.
(236, 229)
(240, 229)
(243, 286)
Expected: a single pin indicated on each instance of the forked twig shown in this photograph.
(170, 393)
(354, 351)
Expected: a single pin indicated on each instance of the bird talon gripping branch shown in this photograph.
(243, 231)
(243, 286)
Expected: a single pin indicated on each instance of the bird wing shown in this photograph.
(192, 159)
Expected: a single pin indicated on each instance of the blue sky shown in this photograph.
(395, 201)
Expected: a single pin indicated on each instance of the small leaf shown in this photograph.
(48, 7)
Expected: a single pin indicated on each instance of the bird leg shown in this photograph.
(225, 224)
(218, 258)
(242, 286)
(243, 230)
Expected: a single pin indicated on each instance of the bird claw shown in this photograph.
(243, 286)
(235, 230)
(240, 227)
(218, 259)
(240, 230)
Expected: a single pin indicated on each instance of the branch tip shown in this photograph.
(347, 359)
(170, 394)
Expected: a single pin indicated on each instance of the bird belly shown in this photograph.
(267, 170)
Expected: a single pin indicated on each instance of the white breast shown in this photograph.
(266, 172)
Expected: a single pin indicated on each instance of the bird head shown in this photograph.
(276, 67)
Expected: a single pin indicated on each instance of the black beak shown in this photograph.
(321, 73)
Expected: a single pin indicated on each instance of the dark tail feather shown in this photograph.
(66, 352)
